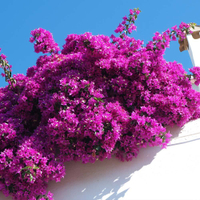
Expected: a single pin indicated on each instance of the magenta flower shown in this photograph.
(43, 41)
(3, 56)
(137, 12)
(196, 72)
(99, 97)
(3, 75)
(125, 18)
(131, 12)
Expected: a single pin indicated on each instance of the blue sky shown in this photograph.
(63, 17)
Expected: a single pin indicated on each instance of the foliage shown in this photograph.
(101, 96)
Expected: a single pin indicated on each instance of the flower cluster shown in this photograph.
(128, 24)
(44, 41)
(101, 96)
(6, 68)
(196, 72)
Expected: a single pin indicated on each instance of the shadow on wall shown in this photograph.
(105, 180)
(102, 180)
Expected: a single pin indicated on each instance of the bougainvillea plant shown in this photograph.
(100, 96)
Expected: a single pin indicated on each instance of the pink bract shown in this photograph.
(101, 96)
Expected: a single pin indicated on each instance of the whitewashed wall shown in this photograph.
(193, 50)
(167, 174)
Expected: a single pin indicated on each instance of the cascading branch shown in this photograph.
(100, 96)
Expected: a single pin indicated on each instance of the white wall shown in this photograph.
(193, 50)
(197, 88)
(167, 174)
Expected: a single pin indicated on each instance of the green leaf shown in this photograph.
(148, 124)
(31, 177)
(98, 99)
(86, 86)
(30, 167)
(154, 138)
(35, 167)
(23, 174)
(27, 167)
